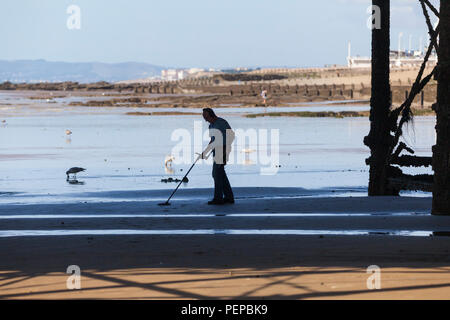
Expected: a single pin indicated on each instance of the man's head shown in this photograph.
(209, 115)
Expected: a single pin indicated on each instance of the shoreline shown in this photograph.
(332, 114)
(195, 102)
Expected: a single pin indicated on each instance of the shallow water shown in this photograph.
(202, 216)
(127, 153)
(119, 232)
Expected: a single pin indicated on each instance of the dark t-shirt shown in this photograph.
(227, 135)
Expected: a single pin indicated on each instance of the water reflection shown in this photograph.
(168, 170)
(76, 182)
(226, 232)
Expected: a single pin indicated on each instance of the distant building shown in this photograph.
(173, 74)
(194, 70)
(180, 74)
(397, 59)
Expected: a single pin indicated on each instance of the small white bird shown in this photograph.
(168, 160)
(68, 132)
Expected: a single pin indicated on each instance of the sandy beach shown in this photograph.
(278, 247)
(336, 184)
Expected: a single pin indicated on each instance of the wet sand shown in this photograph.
(224, 266)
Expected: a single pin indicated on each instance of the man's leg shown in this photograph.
(227, 191)
(218, 173)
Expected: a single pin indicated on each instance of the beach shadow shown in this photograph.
(198, 266)
(188, 288)
(185, 263)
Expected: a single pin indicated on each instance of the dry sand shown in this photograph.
(222, 266)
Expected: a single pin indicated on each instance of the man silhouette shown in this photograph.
(221, 139)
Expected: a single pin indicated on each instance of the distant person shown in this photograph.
(264, 96)
(222, 136)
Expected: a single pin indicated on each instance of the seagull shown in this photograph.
(68, 132)
(74, 171)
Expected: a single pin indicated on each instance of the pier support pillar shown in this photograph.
(441, 151)
(379, 138)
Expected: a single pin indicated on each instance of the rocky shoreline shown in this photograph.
(230, 90)
(331, 114)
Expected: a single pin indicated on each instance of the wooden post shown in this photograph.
(441, 151)
(379, 138)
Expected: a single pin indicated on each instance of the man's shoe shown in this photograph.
(216, 202)
(230, 201)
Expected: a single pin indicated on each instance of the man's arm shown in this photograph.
(208, 149)
(215, 142)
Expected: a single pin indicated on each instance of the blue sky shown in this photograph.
(199, 33)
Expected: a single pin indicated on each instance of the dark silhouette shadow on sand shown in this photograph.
(198, 256)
